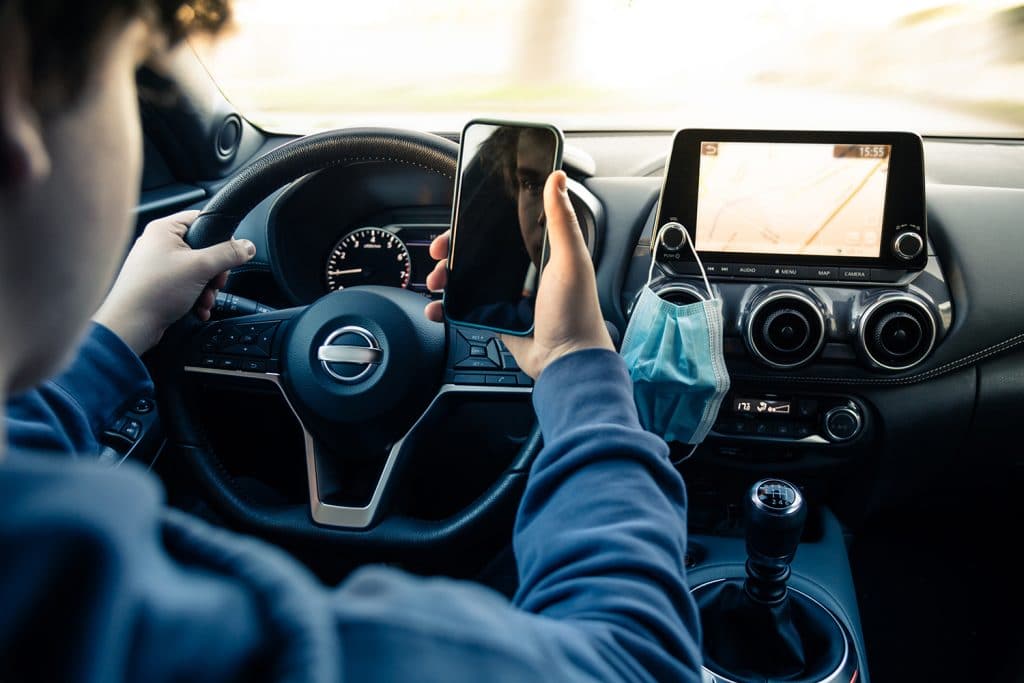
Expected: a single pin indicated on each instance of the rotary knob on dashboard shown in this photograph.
(908, 245)
(672, 236)
(842, 423)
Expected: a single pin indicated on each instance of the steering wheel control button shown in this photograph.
(254, 365)
(253, 340)
(476, 350)
(908, 245)
(508, 362)
(350, 354)
(461, 348)
(476, 364)
(493, 352)
(468, 378)
(476, 336)
(502, 380)
(842, 423)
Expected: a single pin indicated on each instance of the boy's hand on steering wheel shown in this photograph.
(163, 278)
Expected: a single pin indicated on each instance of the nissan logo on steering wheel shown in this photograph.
(349, 354)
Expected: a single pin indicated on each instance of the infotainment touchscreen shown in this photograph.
(791, 198)
(803, 205)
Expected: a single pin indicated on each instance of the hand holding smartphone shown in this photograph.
(499, 242)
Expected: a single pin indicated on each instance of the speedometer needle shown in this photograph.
(350, 271)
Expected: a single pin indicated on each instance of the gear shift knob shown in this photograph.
(775, 512)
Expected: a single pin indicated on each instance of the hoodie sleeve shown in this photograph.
(65, 414)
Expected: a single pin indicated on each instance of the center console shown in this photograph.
(817, 245)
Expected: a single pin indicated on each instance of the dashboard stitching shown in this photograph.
(999, 347)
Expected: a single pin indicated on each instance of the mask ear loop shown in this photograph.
(686, 457)
(707, 284)
(693, 250)
(654, 252)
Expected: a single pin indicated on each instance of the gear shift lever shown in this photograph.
(775, 513)
(756, 628)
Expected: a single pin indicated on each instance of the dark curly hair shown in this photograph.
(62, 36)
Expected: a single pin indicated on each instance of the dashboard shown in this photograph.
(860, 404)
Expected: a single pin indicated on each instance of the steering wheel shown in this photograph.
(362, 369)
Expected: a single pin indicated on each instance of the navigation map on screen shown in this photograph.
(791, 198)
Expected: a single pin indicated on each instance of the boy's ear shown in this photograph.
(24, 158)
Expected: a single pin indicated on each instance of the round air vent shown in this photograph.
(681, 294)
(785, 329)
(896, 332)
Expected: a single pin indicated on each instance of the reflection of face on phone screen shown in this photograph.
(534, 159)
(499, 232)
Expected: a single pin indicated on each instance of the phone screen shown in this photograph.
(499, 236)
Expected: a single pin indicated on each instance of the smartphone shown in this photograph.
(499, 240)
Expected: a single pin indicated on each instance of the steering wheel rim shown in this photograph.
(222, 214)
(218, 222)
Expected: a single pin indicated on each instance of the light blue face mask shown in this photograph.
(674, 355)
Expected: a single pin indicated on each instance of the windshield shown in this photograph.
(305, 65)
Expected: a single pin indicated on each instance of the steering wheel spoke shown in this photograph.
(337, 498)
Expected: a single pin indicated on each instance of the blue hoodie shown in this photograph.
(99, 581)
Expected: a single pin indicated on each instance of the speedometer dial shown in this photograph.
(368, 256)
